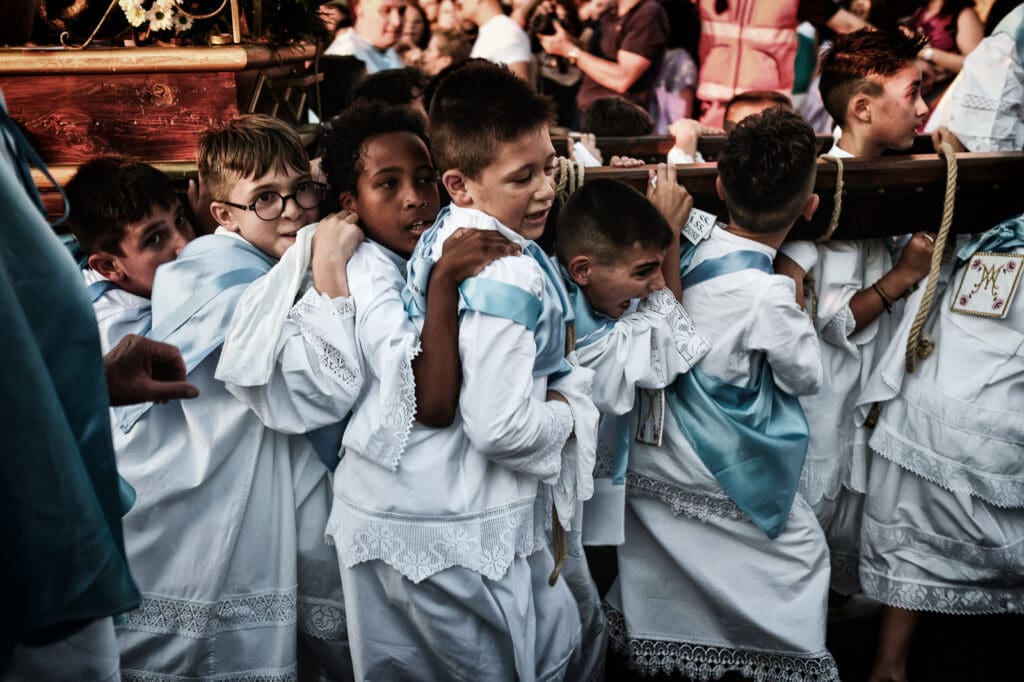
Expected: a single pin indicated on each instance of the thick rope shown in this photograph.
(921, 346)
(559, 544)
(837, 198)
(568, 176)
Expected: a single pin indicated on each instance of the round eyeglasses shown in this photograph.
(270, 205)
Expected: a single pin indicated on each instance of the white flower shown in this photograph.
(161, 15)
(182, 22)
(135, 14)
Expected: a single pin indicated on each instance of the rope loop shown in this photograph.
(568, 176)
(837, 198)
(920, 346)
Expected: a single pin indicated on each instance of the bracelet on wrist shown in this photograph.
(887, 300)
(573, 55)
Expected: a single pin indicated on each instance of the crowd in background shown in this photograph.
(675, 59)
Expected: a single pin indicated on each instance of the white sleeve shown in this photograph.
(501, 416)
(317, 376)
(988, 97)
(803, 253)
(784, 333)
(647, 348)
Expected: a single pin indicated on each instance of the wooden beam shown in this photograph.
(653, 148)
(883, 196)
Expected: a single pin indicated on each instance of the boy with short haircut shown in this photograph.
(871, 87)
(128, 221)
(460, 588)
(717, 464)
(225, 539)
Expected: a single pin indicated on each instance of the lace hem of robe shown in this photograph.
(948, 599)
(288, 674)
(486, 542)
(701, 662)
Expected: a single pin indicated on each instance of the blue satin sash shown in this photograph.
(1002, 238)
(753, 439)
(546, 318)
(590, 328)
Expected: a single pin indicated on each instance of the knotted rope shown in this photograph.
(920, 346)
(568, 176)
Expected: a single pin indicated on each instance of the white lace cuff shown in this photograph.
(325, 325)
(545, 463)
(690, 345)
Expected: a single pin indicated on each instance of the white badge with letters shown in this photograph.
(652, 416)
(989, 284)
(698, 225)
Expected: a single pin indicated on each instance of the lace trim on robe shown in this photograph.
(1001, 490)
(274, 675)
(321, 619)
(315, 314)
(701, 662)
(486, 542)
(994, 567)
(398, 414)
(690, 345)
(682, 501)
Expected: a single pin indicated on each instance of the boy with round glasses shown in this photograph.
(226, 536)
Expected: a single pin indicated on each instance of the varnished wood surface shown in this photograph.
(28, 62)
(883, 196)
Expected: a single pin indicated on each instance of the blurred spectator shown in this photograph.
(430, 8)
(446, 15)
(499, 38)
(373, 35)
(627, 51)
(676, 83)
(446, 47)
(953, 30)
(558, 78)
(415, 34)
(335, 16)
(752, 46)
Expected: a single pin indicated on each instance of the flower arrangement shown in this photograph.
(159, 16)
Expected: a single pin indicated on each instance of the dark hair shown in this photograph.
(616, 117)
(247, 147)
(341, 76)
(767, 169)
(345, 134)
(858, 62)
(604, 219)
(442, 75)
(110, 193)
(766, 97)
(452, 43)
(393, 87)
(478, 108)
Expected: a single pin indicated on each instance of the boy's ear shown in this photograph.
(719, 188)
(859, 108)
(222, 214)
(810, 207)
(455, 182)
(579, 268)
(347, 201)
(106, 265)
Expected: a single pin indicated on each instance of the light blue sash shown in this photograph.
(590, 328)
(546, 318)
(753, 439)
(1002, 238)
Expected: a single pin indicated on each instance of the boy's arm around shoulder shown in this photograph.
(784, 333)
(646, 348)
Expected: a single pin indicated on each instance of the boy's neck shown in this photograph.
(772, 239)
(857, 140)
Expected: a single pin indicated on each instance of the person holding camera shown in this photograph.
(500, 39)
(628, 47)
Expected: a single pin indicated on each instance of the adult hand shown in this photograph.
(559, 43)
(141, 370)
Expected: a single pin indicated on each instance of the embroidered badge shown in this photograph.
(989, 284)
(698, 225)
(652, 417)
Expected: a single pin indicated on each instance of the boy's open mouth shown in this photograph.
(538, 218)
(419, 227)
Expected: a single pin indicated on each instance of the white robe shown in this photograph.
(434, 543)
(944, 514)
(701, 589)
(225, 539)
